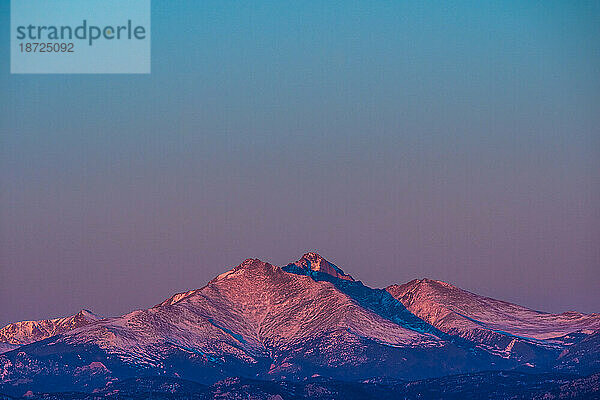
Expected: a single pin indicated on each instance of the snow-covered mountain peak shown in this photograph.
(312, 261)
(311, 255)
(249, 262)
(309, 262)
(305, 319)
(427, 281)
(25, 332)
(425, 285)
(87, 315)
(459, 311)
(249, 265)
(253, 263)
(249, 313)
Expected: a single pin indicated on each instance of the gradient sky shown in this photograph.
(398, 139)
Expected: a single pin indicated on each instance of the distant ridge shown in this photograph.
(25, 332)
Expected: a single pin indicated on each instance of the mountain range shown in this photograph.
(302, 322)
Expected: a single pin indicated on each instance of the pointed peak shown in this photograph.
(88, 315)
(247, 265)
(312, 256)
(312, 261)
(428, 281)
(421, 284)
(252, 263)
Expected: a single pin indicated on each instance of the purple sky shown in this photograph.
(398, 140)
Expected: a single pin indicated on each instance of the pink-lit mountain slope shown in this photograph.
(306, 319)
(255, 320)
(506, 329)
(247, 313)
(25, 332)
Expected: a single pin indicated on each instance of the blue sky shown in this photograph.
(399, 139)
